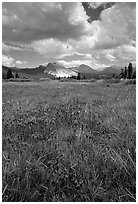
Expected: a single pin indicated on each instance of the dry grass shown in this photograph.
(66, 142)
(130, 81)
(45, 79)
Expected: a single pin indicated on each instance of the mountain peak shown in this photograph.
(83, 65)
(112, 69)
(84, 69)
(58, 70)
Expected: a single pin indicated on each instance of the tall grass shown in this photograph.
(69, 151)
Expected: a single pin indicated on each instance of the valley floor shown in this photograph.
(69, 141)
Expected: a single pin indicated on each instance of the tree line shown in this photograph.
(10, 75)
(128, 72)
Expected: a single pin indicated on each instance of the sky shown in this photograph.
(98, 34)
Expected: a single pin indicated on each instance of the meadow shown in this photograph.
(68, 142)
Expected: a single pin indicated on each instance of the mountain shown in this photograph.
(112, 69)
(52, 70)
(31, 71)
(34, 73)
(59, 71)
(84, 69)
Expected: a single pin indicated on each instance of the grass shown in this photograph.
(19, 80)
(130, 81)
(69, 142)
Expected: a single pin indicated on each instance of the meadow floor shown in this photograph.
(66, 141)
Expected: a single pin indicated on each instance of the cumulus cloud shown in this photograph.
(39, 21)
(19, 62)
(117, 25)
(125, 52)
(52, 47)
(92, 63)
(11, 62)
(61, 31)
(8, 61)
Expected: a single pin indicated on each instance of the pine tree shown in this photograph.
(130, 70)
(122, 73)
(125, 72)
(134, 75)
(9, 74)
(16, 75)
(4, 76)
(78, 77)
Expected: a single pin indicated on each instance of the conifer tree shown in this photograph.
(130, 70)
(78, 77)
(125, 72)
(9, 74)
(122, 73)
(16, 75)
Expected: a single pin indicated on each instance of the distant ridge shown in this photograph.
(84, 69)
(112, 69)
(34, 73)
(53, 69)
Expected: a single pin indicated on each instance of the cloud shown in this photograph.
(11, 62)
(61, 31)
(92, 63)
(7, 46)
(110, 57)
(19, 62)
(52, 47)
(37, 21)
(133, 63)
(73, 63)
(116, 28)
(95, 5)
(8, 61)
(117, 25)
(64, 21)
(72, 53)
(9, 18)
(125, 52)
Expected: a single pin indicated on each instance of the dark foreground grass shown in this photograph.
(71, 150)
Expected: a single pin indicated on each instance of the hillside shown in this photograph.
(84, 69)
(112, 69)
(59, 71)
(34, 73)
(53, 70)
